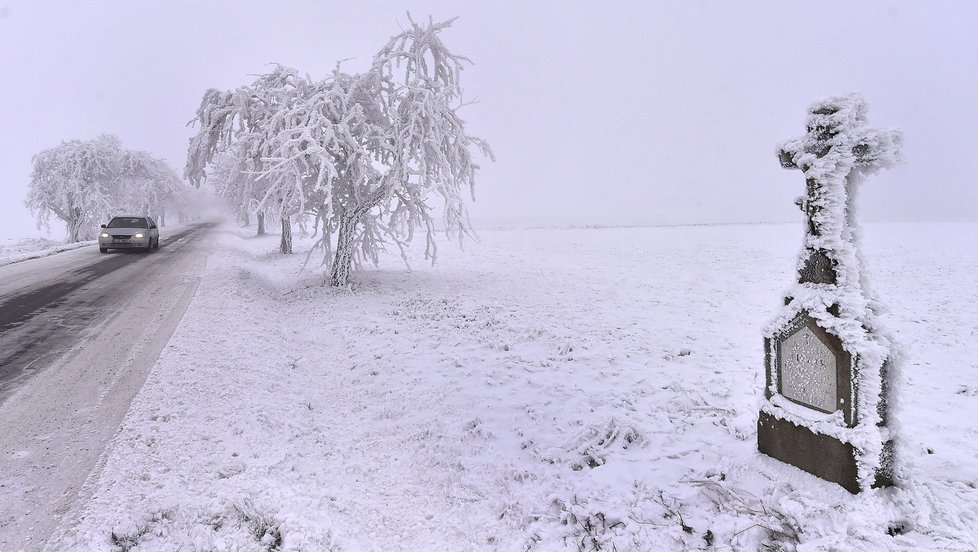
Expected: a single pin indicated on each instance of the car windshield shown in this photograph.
(127, 222)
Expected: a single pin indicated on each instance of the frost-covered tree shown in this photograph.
(147, 184)
(83, 182)
(363, 152)
(228, 175)
(77, 182)
(240, 124)
(381, 143)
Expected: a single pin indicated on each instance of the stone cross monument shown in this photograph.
(827, 365)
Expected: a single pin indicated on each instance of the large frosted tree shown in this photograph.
(363, 152)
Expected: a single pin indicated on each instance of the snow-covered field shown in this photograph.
(588, 389)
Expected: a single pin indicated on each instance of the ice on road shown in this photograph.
(79, 331)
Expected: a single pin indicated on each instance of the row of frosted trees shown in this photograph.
(361, 155)
(85, 182)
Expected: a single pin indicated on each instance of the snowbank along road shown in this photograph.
(79, 332)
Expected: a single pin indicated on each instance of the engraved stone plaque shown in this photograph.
(808, 371)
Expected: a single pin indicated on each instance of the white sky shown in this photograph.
(599, 112)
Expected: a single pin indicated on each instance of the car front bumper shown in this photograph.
(134, 243)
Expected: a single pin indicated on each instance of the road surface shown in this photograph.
(79, 332)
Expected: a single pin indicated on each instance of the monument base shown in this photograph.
(818, 454)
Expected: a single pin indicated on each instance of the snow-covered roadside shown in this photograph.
(545, 390)
(15, 251)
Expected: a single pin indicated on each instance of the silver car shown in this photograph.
(129, 233)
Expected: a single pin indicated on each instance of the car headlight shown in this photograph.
(104, 235)
(139, 235)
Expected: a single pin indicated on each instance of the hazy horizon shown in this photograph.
(631, 114)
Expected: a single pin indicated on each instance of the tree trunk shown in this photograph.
(247, 218)
(346, 237)
(286, 245)
(261, 223)
(343, 261)
(74, 226)
(162, 220)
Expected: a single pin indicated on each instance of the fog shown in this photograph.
(599, 113)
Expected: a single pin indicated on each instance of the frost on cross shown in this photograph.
(827, 362)
(835, 154)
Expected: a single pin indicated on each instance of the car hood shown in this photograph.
(122, 231)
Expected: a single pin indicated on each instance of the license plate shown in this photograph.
(120, 241)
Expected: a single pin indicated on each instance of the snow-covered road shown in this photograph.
(79, 331)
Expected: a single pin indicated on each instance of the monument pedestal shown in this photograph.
(820, 455)
(811, 413)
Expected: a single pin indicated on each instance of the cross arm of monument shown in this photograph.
(878, 149)
(788, 151)
(875, 149)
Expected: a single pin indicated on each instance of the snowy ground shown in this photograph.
(17, 250)
(590, 389)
